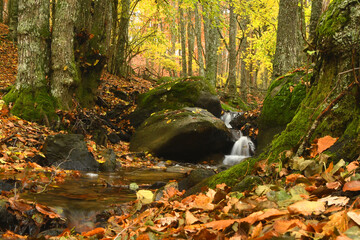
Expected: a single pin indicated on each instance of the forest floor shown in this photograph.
(288, 201)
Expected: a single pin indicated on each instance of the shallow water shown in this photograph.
(89, 192)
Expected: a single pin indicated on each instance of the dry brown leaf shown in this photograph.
(271, 213)
(352, 186)
(355, 216)
(340, 201)
(19, 205)
(292, 177)
(343, 237)
(46, 211)
(97, 231)
(282, 226)
(190, 218)
(333, 185)
(268, 235)
(256, 231)
(221, 224)
(352, 166)
(337, 221)
(204, 202)
(307, 207)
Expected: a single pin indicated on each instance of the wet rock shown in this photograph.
(196, 176)
(100, 136)
(8, 184)
(69, 151)
(8, 221)
(110, 161)
(176, 95)
(160, 193)
(113, 138)
(124, 136)
(185, 135)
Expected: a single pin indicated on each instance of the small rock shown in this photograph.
(194, 178)
(113, 138)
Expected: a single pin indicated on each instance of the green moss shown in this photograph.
(32, 104)
(227, 107)
(282, 100)
(333, 20)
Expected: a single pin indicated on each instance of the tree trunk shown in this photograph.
(232, 50)
(191, 40)
(1, 10)
(173, 37)
(316, 8)
(13, 19)
(198, 41)
(183, 40)
(65, 72)
(288, 46)
(113, 36)
(91, 47)
(30, 96)
(121, 65)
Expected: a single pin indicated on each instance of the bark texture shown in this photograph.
(191, 41)
(316, 8)
(13, 18)
(183, 41)
(1, 10)
(30, 97)
(288, 45)
(65, 72)
(232, 50)
(198, 41)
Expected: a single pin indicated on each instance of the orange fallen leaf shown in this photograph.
(338, 221)
(352, 186)
(271, 213)
(96, 231)
(268, 235)
(333, 185)
(325, 143)
(11, 235)
(282, 226)
(19, 205)
(292, 177)
(307, 207)
(256, 231)
(355, 216)
(221, 224)
(352, 166)
(46, 211)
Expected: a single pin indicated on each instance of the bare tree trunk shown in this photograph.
(13, 18)
(232, 50)
(183, 40)
(65, 72)
(30, 96)
(198, 41)
(288, 46)
(173, 37)
(316, 8)
(1, 10)
(191, 40)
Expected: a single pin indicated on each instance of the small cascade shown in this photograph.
(243, 147)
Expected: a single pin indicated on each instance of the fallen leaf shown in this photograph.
(307, 207)
(339, 201)
(145, 196)
(97, 231)
(271, 213)
(337, 221)
(352, 186)
(46, 211)
(355, 216)
(333, 185)
(325, 143)
(19, 205)
(190, 218)
(282, 226)
(256, 231)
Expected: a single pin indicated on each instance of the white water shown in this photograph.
(243, 147)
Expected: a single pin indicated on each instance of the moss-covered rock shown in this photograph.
(32, 104)
(281, 102)
(176, 95)
(186, 135)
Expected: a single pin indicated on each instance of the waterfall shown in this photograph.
(243, 147)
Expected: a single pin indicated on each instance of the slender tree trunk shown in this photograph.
(1, 10)
(13, 19)
(191, 40)
(316, 8)
(65, 72)
(183, 40)
(288, 46)
(30, 96)
(173, 36)
(198, 40)
(123, 38)
(113, 37)
(232, 50)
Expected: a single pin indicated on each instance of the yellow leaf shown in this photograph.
(168, 121)
(145, 196)
(96, 62)
(65, 68)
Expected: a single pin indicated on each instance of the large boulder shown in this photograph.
(281, 102)
(176, 95)
(184, 135)
(69, 151)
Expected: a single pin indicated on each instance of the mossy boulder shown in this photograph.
(281, 102)
(185, 135)
(175, 95)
